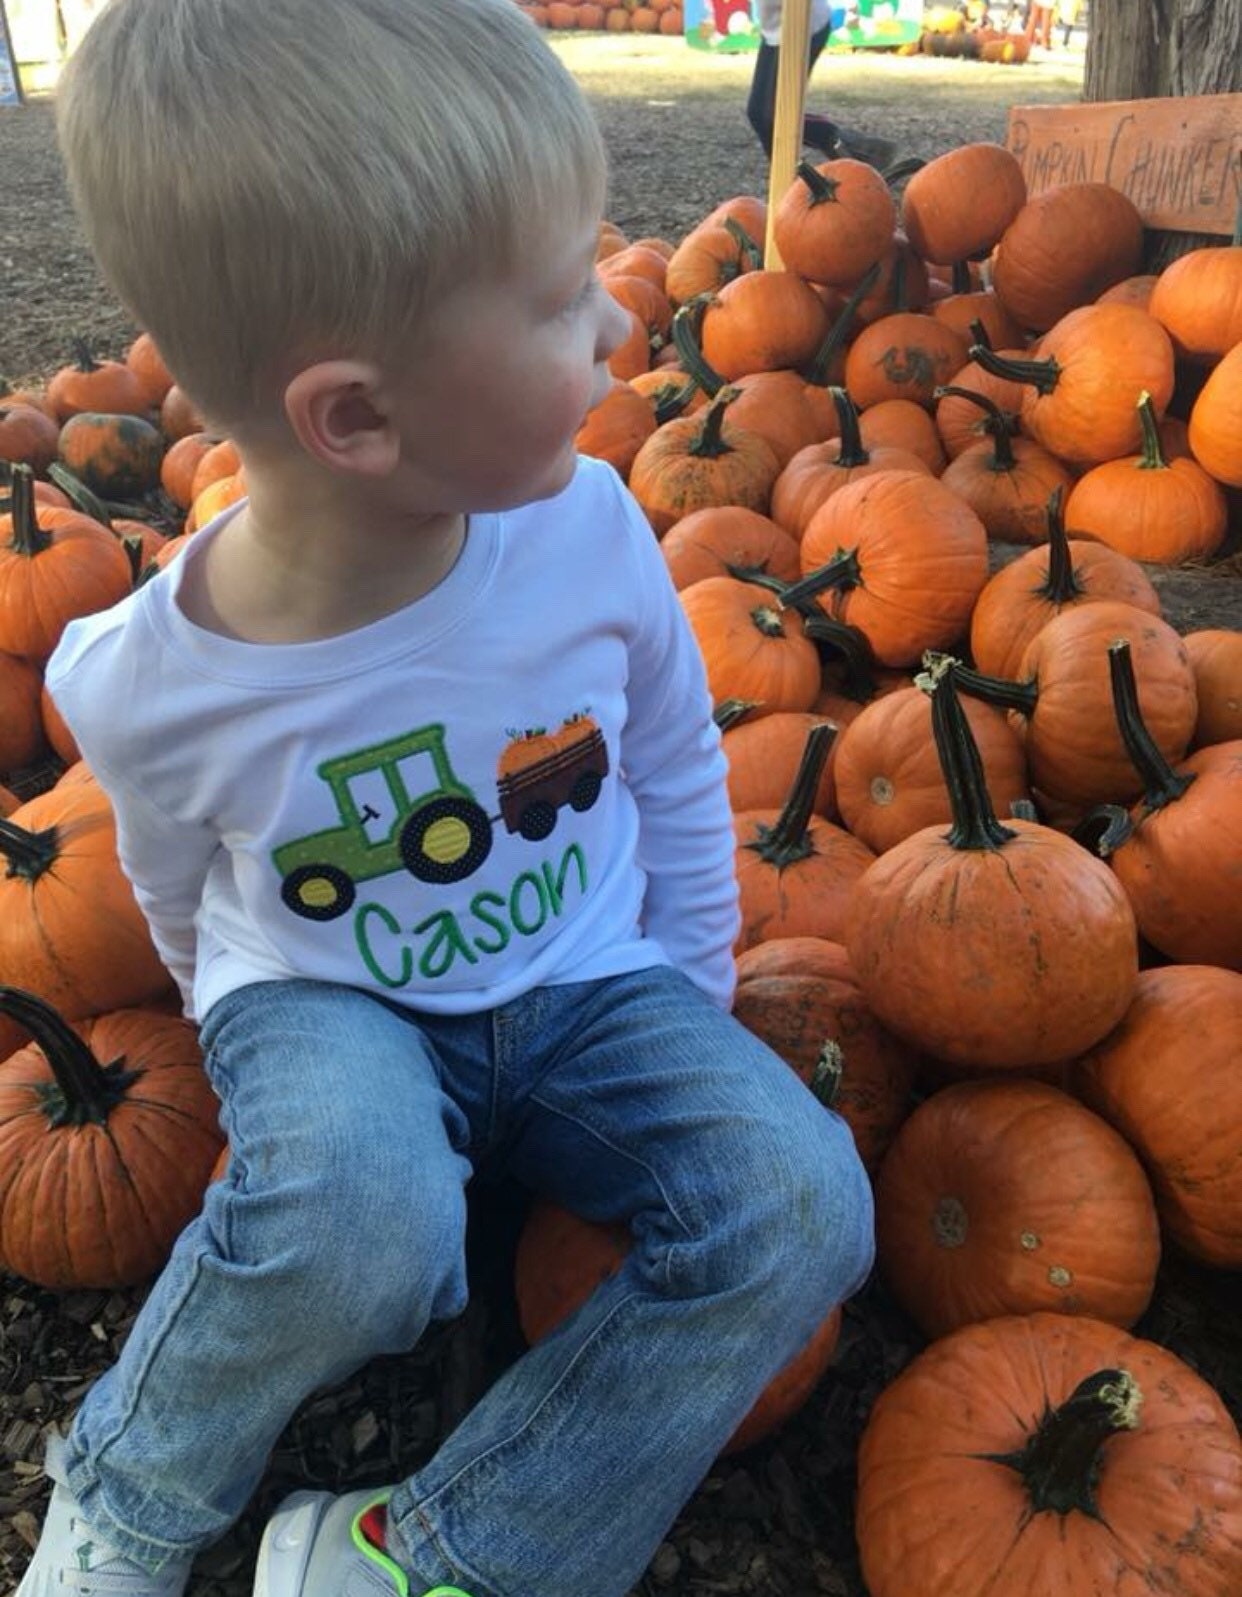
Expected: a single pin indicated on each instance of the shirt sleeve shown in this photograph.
(674, 765)
(165, 860)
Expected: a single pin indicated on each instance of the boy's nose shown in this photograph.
(614, 327)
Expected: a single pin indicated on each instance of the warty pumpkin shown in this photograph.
(906, 355)
(898, 556)
(993, 945)
(108, 1132)
(1022, 597)
(1083, 381)
(561, 1259)
(1148, 506)
(800, 996)
(1043, 1454)
(1167, 1078)
(697, 461)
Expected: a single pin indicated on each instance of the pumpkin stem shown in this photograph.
(85, 1092)
(1043, 375)
(851, 646)
(999, 425)
(980, 334)
(1061, 583)
(748, 250)
(787, 841)
(28, 536)
(82, 498)
(1103, 830)
(1152, 457)
(1060, 1463)
(900, 170)
(1161, 783)
(842, 571)
(671, 398)
(83, 358)
(823, 189)
(730, 711)
(709, 442)
(998, 691)
(28, 854)
(687, 328)
(822, 360)
(827, 1073)
(961, 278)
(975, 825)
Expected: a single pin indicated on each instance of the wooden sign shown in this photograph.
(1179, 160)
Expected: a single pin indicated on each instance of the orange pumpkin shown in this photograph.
(799, 995)
(561, 1259)
(764, 754)
(993, 945)
(1198, 298)
(117, 456)
(726, 541)
(27, 436)
(907, 355)
(1011, 1197)
(697, 461)
(22, 740)
(100, 385)
(708, 258)
(1063, 249)
(1216, 658)
(1215, 437)
(752, 648)
(1007, 481)
(763, 321)
(1043, 1453)
(145, 361)
(616, 429)
(960, 203)
(108, 1132)
(834, 221)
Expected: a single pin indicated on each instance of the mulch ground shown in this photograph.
(777, 1520)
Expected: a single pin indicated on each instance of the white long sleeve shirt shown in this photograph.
(513, 781)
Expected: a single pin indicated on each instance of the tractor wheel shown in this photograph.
(446, 841)
(317, 892)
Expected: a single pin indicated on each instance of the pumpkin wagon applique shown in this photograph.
(402, 806)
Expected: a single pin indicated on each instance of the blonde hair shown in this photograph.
(270, 182)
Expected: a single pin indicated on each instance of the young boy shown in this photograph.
(416, 782)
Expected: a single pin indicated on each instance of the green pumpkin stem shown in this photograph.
(83, 357)
(1060, 1463)
(749, 251)
(730, 711)
(975, 825)
(900, 170)
(980, 334)
(687, 331)
(28, 854)
(1043, 375)
(1061, 583)
(709, 443)
(1000, 692)
(842, 571)
(823, 189)
(849, 645)
(787, 841)
(961, 278)
(1153, 456)
(670, 399)
(999, 425)
(86, 1092)
(79, 495)
(28, 537)
(1161, 783)
(835, 339)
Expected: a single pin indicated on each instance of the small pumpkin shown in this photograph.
(27, 436)
(1063, 249)
(22, 740)
(1216, 658)
(906, 355)
(97, 385)
(752, 648)
(144, 359)
(1007, 481)
(763, 321)
(727, 541)
(834, 221)
(118, 456)
(708, 258)
(697, 461)
(1198, 298)
(1215, 437)
(616, 429)
(960, 203)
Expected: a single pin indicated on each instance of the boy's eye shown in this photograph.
(584, 293)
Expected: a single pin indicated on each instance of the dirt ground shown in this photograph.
(777, 1520)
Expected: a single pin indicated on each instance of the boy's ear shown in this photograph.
(339, 414)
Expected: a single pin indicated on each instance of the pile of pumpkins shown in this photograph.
(966, 32)
(610, 16)
(987, 805)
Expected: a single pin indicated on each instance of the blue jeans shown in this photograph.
(339, 1233)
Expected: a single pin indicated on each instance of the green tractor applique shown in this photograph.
(402, 807)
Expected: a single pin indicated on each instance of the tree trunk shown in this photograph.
(1140, 49)
(1147, 49)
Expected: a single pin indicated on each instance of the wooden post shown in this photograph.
(790, 100)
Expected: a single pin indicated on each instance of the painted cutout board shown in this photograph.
(10, 83)
(877, 25)
(727, 27)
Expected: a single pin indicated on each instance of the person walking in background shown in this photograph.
(1039, 25)
(1068, 13)
(819, 132)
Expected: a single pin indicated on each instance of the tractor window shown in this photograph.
(373, 800)
(385, 795)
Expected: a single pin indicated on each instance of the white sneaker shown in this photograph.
(73, 1560)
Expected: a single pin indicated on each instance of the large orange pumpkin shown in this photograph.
(108, 1132)
(995, 945)
(1008, 1197)
(1042, 1454)
(697, 461)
